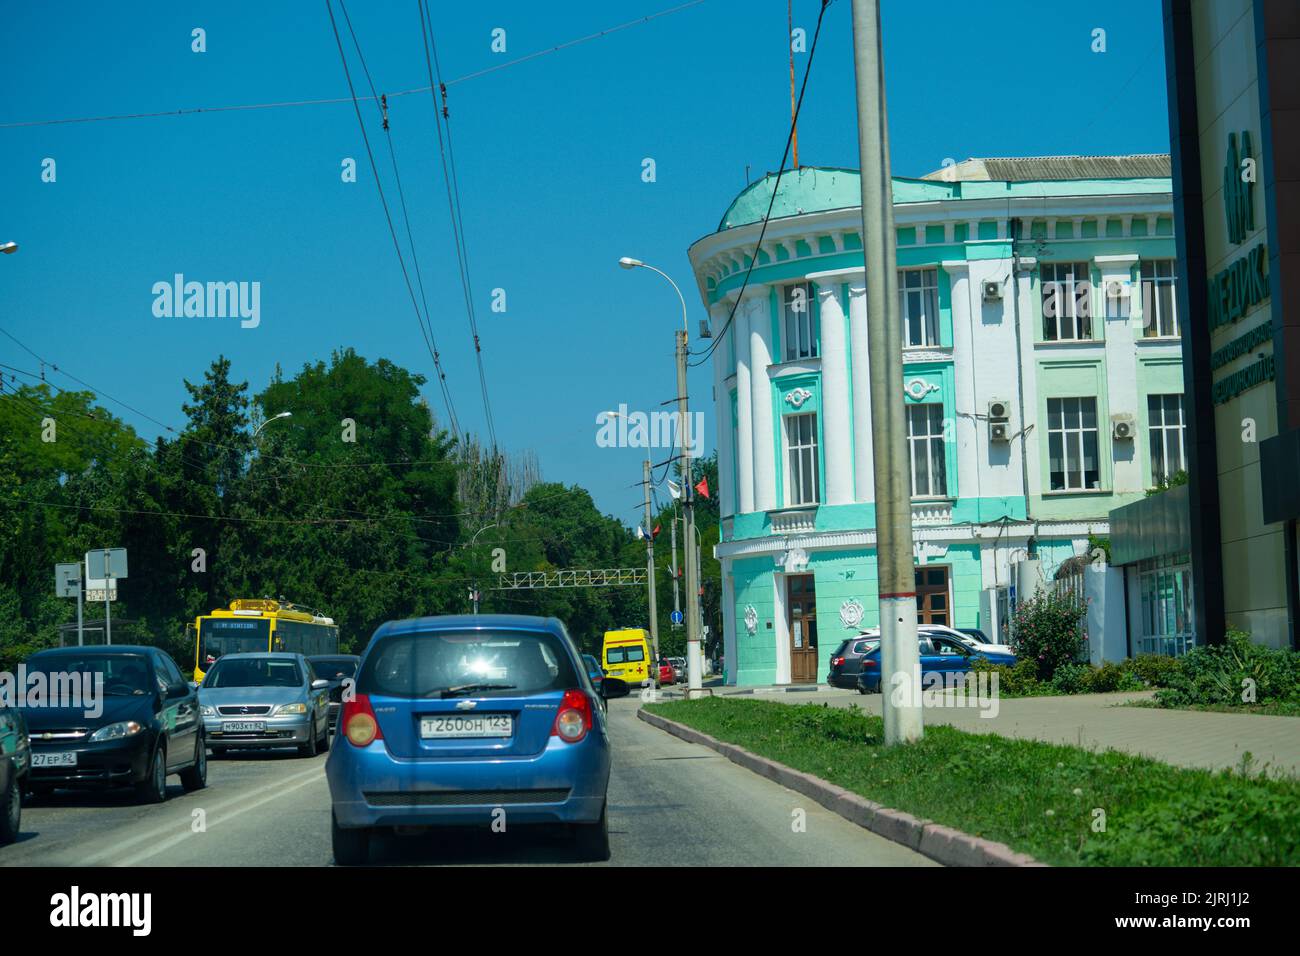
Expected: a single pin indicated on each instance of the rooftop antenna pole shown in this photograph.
(789, 39)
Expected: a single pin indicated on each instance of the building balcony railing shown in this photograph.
(793, 520)
(931, 512)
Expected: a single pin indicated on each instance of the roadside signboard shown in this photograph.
(67, 580)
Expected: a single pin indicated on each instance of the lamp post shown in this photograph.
(258, 430)
(8, 248)
(474, 593)
(693, 683)
(649, 550)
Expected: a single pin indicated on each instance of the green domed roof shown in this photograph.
(817, 189)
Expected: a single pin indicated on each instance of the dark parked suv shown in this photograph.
(335, 668)
(846, 662)
(15, 765)
(142, 726)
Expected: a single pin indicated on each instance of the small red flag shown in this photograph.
(703, 486)
(655, 533)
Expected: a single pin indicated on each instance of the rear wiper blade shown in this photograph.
(467, 688)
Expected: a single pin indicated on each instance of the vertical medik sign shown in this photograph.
(1237, 289)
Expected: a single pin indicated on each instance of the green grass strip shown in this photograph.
(1039, 798)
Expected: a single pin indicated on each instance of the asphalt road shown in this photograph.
(671, 803)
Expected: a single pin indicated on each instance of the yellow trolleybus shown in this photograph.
(260, 624)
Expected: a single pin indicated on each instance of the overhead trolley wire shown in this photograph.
(447, 154)
(331, 101)
(429, 339)
(753, 261)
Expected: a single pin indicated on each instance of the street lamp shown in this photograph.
(693, 683)
(8, 248)
(474, 593)
(627, 262)
(257, 431)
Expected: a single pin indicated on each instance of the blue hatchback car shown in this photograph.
(939, 654)
(456, 720)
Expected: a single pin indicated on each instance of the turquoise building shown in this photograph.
(1042, 383)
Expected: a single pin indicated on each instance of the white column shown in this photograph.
(744, 416)
(722, 405)
(760, 356)
(864, 481)
(837, 440)
(729, 621)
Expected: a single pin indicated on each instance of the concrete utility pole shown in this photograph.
(650, 563)
(684, 434)
(900, 657)
(677, 601)
(693, 682)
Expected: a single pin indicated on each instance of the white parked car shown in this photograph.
(952, 632)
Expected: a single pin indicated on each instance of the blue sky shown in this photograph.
(549, 157)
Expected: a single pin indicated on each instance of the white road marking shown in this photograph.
(165, 829)
(184, 835)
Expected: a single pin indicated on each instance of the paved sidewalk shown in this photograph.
(1181, 737)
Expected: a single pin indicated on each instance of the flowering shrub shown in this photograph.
(1047, 629)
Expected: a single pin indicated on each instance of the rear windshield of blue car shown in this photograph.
(491, 663)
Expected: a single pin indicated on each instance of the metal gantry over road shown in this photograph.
(601, 578)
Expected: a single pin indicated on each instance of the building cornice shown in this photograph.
(771, 545)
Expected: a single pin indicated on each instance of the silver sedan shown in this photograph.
(265, 700)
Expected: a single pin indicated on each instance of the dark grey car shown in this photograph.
(846, 662)
(15, 768)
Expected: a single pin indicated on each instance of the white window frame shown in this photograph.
(1161, 432)
(931, 445)
(1073, 313)
(1155, 323)
(798, 340)
(925, 297)
(801, 460)
(1073, 436)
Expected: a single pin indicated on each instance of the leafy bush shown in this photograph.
(1072, 678)
(1047, 629)
(1153, 670)
(1234, 673)
(1018, 681)
(1110, 677)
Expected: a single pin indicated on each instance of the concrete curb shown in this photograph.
(943, 844)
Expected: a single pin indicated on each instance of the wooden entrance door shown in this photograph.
(932, 596)
(801, 599)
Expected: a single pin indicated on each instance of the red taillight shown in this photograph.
(836, 661)
(868, 662)
(359, 723)
(574, 717)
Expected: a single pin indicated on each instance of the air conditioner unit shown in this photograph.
(1122, 427)
(999, 409)
(999, 431)
(992, 291)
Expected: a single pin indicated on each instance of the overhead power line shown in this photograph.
(427, 334)
(335, 100)
(101, 394)
(753, 260)
(448, 156)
